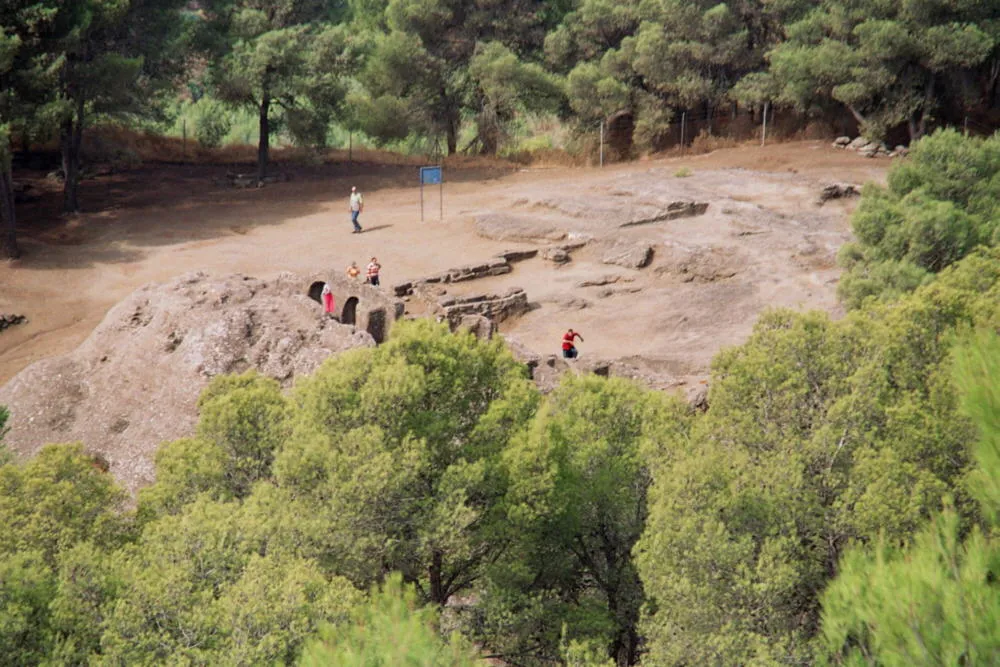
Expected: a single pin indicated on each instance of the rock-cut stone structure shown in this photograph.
(371, 309)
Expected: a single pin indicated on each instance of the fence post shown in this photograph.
(184, 139)
(965, 125)
(350, 147)
(602, 143)
(763, 131)
(684, 115)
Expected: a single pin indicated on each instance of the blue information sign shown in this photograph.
(430, 175)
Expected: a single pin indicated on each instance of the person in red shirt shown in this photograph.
(568, 348)
(373, 268)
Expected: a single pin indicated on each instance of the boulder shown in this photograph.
(697, 396)
(631, 256)
(556, 254)
(570, 302)
(480, 326)
(841, 142)
(11, 320)
(838, 191)
(857, 143)
(869, 150)
(517, 255)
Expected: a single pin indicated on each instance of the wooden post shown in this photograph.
(441, 197)
(350, 147)
(421, 198)
(965, 125)
(763, 131)
(684, 115)
(602, 142)
(184, 138)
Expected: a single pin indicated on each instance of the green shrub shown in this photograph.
(212, 122)
(391, 628)
(5, 455)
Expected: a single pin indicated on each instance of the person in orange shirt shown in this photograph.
(568, 348)
(353, 271)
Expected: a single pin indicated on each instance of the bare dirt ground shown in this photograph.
(762, 242)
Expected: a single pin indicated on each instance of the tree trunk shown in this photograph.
(437, 580)
(70, 138)
(264, 144)
(857, 116)
(991, 87)
(452, 130)
(8, 235)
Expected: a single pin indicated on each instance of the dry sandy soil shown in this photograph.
(762, 242)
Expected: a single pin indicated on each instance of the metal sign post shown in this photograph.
(432, 176)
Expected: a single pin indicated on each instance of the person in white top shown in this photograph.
(357, 206)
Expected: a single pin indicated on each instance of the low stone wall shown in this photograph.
(498, 266)
(496, 307)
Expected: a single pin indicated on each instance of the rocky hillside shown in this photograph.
(135, 381)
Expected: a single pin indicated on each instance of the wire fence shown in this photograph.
(705, 130)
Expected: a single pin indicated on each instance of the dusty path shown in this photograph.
(175, 220)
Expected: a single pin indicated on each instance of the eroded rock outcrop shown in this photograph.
(134, 382)
(629, 255)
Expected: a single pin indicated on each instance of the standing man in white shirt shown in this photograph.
(357, 206)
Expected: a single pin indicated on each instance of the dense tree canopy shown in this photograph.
(938, 206)
(938, 599)
(472, 75)
(885, 62)
(290, 56)
(820, 434)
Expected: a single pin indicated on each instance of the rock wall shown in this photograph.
(496, 307)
